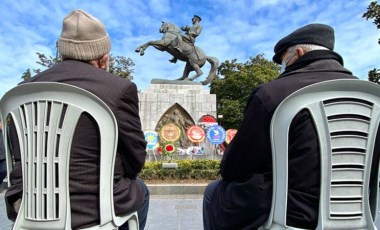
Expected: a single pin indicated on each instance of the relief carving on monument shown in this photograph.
(179, 116)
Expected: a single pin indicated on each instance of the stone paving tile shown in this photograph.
(5, 224)
(186, 214)
(165, 213)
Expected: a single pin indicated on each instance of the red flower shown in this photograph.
(169, 148)
(208, 118)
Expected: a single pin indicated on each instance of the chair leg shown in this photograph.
(133, 223)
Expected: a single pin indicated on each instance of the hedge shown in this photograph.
(187, 169)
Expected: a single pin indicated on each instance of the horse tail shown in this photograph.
(214, 67)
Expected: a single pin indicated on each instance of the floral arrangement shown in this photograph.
(169, 149)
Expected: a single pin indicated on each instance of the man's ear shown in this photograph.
(300, 52)
(103, 62)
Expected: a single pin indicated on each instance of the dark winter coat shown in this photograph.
(121, 96)
(243, 200)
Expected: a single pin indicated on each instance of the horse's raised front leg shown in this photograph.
(143, 47)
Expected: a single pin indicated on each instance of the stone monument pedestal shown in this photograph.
(162, 95)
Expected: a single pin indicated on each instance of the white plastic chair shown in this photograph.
(346, 114)
(45, 117)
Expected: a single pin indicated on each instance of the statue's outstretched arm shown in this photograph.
(195, 32)
(185, 28)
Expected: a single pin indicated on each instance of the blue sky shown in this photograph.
(231, 29)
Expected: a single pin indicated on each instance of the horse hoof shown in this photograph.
(207, 81)
(204, 82)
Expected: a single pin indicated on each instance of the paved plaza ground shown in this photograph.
(166, 212)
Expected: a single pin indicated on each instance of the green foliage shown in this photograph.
(118, 65)
(46, 62)
(187, 169)
(373, 13)
(238, 81)
(121, 66)
(374, 75)
(26, 75)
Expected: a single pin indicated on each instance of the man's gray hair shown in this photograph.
(306, 47)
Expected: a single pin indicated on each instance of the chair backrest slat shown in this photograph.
(346, 114)
(45, 116)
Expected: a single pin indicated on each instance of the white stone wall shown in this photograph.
(158, 98)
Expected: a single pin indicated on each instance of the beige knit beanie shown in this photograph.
(83, 37)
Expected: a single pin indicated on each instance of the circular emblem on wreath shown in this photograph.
(195, 134)
(170, 132)
(151, 138)
(230, 134)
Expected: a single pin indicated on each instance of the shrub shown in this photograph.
(187, 169)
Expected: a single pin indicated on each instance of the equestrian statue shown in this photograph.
(182, 48)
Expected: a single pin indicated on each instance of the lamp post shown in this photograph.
(220, 117)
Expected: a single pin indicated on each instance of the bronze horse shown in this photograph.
(194, 57)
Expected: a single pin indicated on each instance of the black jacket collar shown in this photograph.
(317, 60)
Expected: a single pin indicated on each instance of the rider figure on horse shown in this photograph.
(192, 32)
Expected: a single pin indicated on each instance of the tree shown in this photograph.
(26, 75)
(374, 75)
(121, 66)
(46, 62)
(373, 13)
(239, 79)
(118, 65)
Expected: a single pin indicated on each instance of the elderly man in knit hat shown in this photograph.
(242, 199)
(84, 45)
